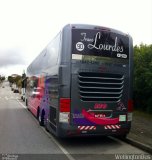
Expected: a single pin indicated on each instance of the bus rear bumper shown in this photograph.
(66, 130)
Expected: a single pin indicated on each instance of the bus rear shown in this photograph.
(100, 84)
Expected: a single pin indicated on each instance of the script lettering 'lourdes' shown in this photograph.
(106, 47)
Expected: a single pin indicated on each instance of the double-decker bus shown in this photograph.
(81, 83)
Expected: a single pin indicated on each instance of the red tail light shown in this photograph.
(65, 104)
(130, 105)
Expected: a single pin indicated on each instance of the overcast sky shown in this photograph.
(26, 26)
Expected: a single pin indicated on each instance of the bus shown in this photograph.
(81, 83)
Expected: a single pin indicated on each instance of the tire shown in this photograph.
(26, 103)
(38, 113)
(45, 126)
(41, 118)
(123, 137)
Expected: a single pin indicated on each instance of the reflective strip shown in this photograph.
(91, 127)
(112, 127)
(87, 127)
(117, 126)
(109, 127)
(94, 127)
(82, 127)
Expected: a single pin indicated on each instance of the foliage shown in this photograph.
(143, 77)
(11, 79)
(2, 78)
(16, 80)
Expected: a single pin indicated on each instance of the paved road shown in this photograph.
(21, 134)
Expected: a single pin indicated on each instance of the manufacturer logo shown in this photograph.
(100, 106)
(121, 55)
(80, 46)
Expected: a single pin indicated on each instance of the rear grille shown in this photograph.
(100, 86)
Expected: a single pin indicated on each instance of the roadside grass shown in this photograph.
(142, 114)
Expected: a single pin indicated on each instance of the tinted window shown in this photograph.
(49, 57)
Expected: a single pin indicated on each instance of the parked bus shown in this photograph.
(81, 83)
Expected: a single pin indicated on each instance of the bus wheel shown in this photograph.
(123, 137)
(45, 125)
(38, 113)
(41, 118)
(26, 102)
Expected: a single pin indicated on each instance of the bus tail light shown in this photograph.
(130, 105)
(65, 104)
(130, 110)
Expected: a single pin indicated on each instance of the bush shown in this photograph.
(149, 105)
(143, 77)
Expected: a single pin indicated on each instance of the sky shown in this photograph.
(27, 26)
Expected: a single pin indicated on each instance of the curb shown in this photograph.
(139, 145)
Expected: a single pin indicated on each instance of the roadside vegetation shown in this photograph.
(15, 80)
(143, 78)
(145, 115)
(15, 83)
(2, 78)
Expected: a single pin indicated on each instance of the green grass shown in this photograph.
(143, 114)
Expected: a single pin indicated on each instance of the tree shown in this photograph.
(2, 78)
(10, 79)
(143, 77)
(16, 80)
